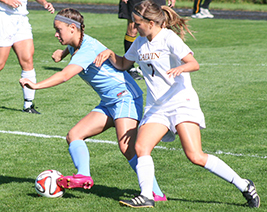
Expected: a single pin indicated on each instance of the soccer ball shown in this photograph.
(46, 185)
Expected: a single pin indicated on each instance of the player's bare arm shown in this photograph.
(46, 5)
(60, 77)
(59, 54)
(12, 3)
(121, 63)
(190, 65)
(171, 3)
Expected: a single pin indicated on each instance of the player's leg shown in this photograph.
(130, 35)
(196, 6)
(24, 50)
(149, 135)
(129, 38)
(190, 137)
(206, 4)
(126, 129)
(92, 124)
(6, 32)
(4, 52)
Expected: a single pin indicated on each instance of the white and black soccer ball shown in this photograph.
(46, 184)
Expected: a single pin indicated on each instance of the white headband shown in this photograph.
(68, 20)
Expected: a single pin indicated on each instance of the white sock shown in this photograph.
(221, 169)
(28, 94)
(145, 173)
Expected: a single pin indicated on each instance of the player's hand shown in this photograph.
(125, 1)
(26, 82)
(57, 55)
(49, 7)
(13, 3)
(102, 57)
(175, 71)
(171, 3)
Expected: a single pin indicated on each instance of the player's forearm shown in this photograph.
(42, 2)
(116, 61)
(121, 63)
(65, 53)
(52, 81)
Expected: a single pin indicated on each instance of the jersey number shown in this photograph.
(153, 71)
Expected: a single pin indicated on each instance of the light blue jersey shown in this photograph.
(110, 83)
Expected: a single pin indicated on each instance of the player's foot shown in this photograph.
(31, 109)
(158, 198)
(204, 13)
(75, 181)
(138, 202)
(251, 195)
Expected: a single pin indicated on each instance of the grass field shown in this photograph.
(215, 5)
(231, 84)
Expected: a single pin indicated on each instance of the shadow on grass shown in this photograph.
(105, 191)
(52, 68)
(206, 202)
(111, 192)
(8, 108)
(7, 179)
(99, 190)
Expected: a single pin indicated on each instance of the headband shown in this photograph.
(68, 20)
(138, 14)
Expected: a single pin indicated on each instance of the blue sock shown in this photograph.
(80, 156)
(156, 189)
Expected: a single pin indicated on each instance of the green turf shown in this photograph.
(214, 5)
(231, 84)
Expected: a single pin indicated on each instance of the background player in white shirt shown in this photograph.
(172, 103)
(16, 32)
(121, 103)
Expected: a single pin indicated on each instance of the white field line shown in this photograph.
(219, 152)
(228, 64)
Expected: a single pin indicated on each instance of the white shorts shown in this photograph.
(14, 28)
(185, 110)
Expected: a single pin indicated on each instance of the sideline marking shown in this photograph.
(219, 152)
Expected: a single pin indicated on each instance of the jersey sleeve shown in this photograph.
(86, 55)
(83, 58)
(178, 47)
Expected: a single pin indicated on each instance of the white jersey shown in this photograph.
(170, 101)
(21, 10)
(155, 58)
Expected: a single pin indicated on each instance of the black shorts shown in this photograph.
(125, 10)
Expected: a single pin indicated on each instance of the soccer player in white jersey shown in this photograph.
(172, 103)
(16, 32)
(121, 103)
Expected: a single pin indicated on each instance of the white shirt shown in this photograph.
(21, 10)
(155, 58)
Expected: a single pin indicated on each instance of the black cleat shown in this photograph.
(251, 195)
(31, 110)
(138, 202)
(134, 74)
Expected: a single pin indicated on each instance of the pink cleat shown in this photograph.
(158, 198)
(75, 181)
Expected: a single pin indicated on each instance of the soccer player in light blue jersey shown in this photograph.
(121, 102)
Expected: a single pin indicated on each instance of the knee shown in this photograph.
(71, 137)
(127, 148)
(68, 138)
(142, 149)
(199, 159)
(2, 65)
